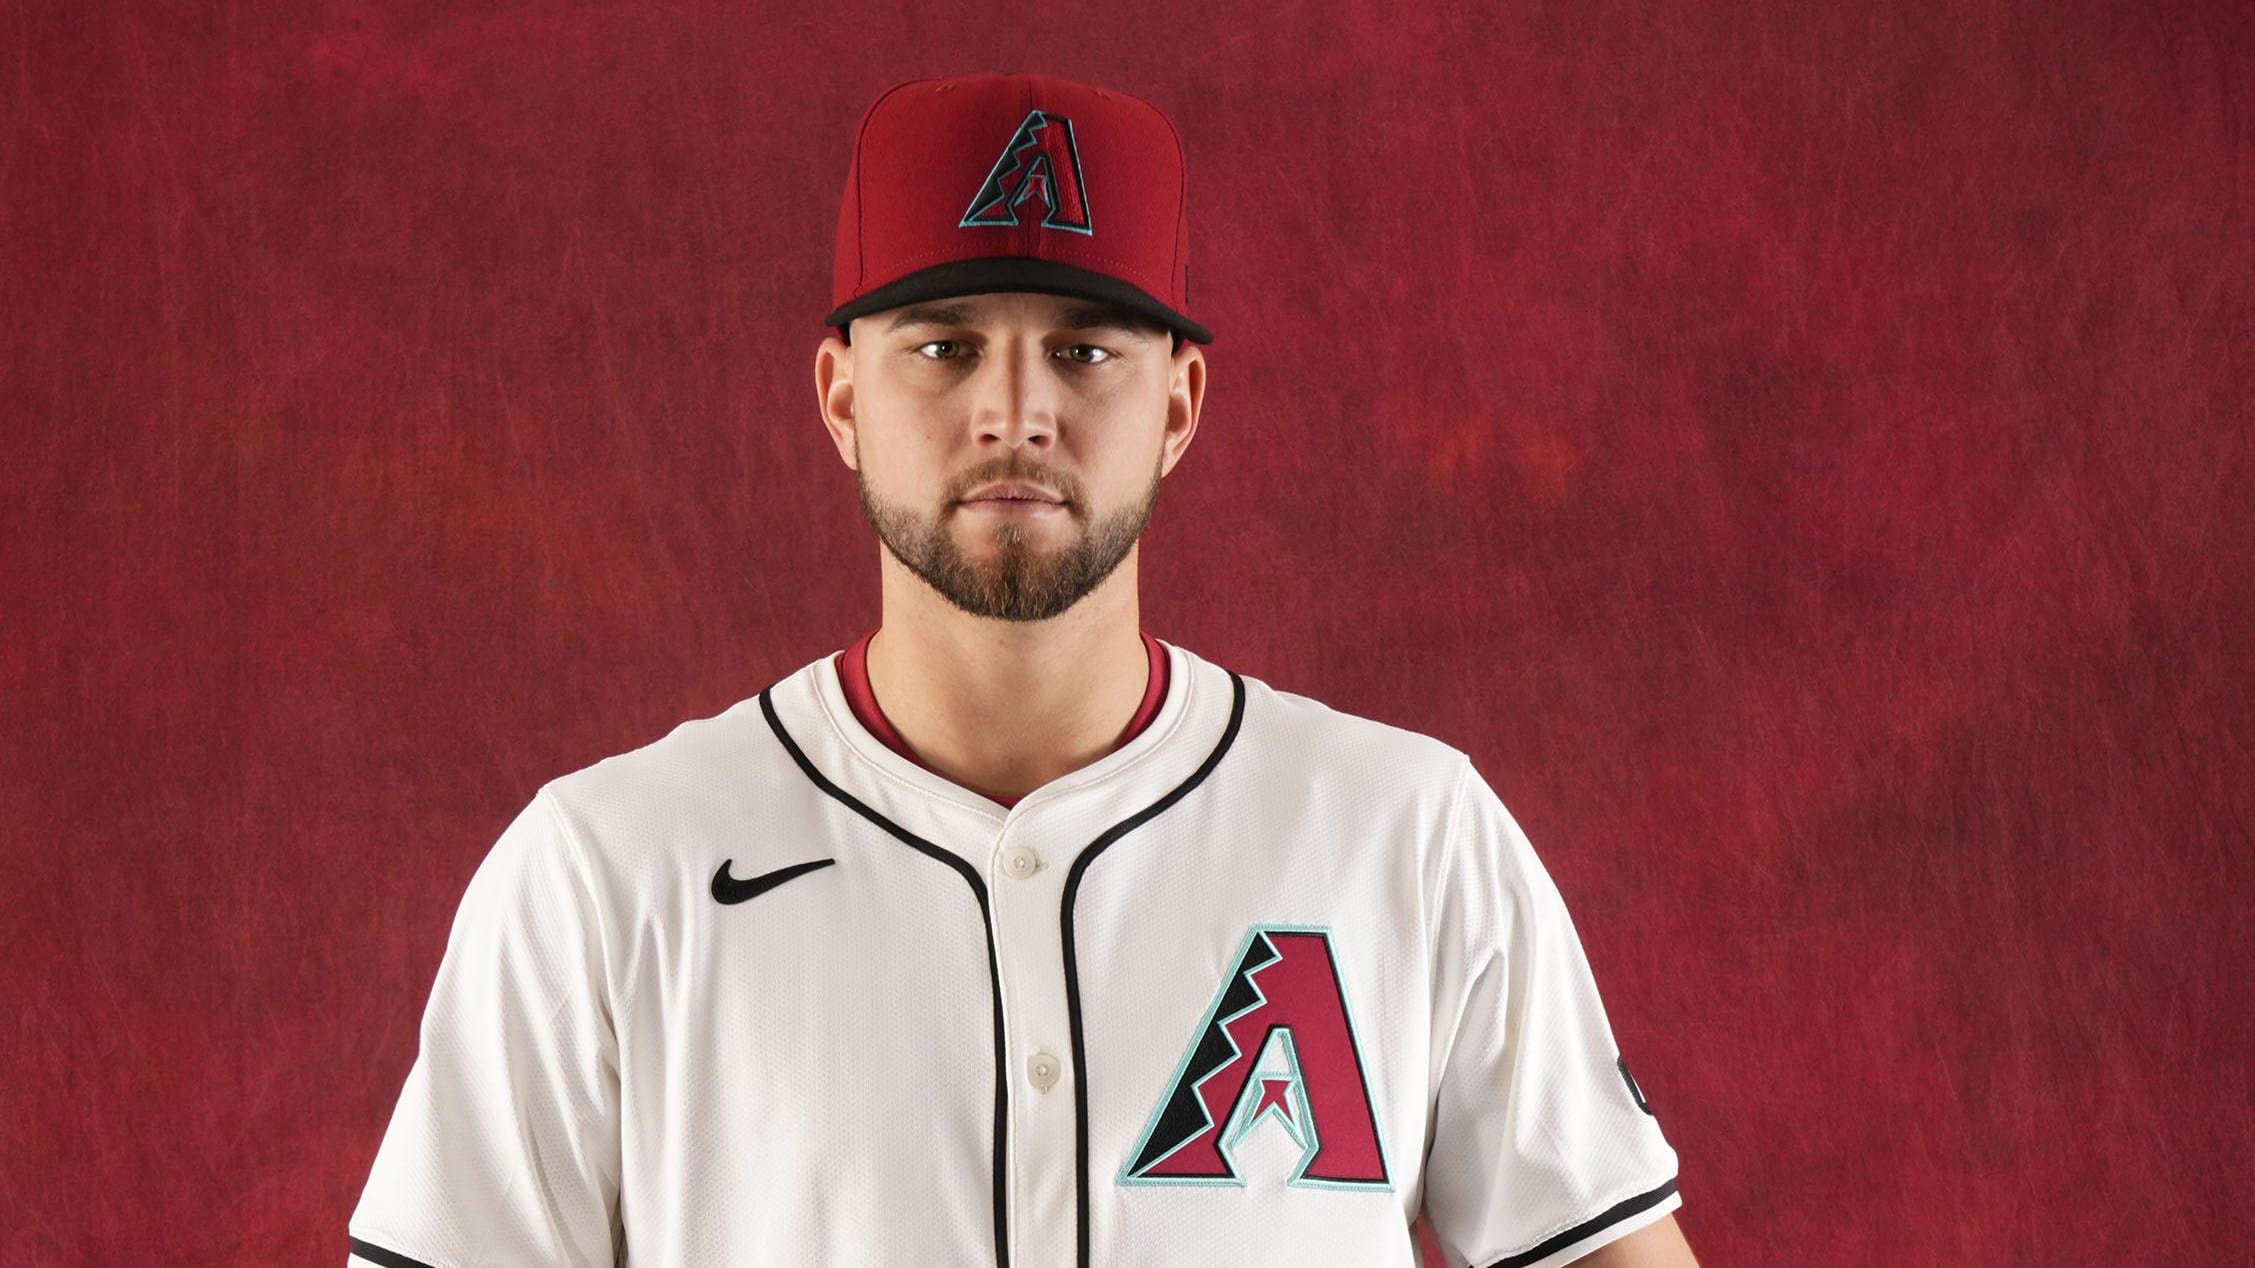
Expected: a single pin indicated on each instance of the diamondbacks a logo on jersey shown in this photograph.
(1276, 1052)
(1042, 162)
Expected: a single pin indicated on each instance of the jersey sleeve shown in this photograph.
(1542, 1147)
(504, 1145)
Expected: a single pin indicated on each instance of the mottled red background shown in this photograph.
(1800, 450)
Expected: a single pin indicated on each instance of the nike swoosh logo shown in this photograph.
(730, 891)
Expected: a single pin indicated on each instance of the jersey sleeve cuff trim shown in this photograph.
(1604, 1219)
(382, 1258)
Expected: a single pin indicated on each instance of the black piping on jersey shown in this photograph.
(1604, 1219)
(384, 1258)
(994, 967)
(1072, 980)
(1072, 964)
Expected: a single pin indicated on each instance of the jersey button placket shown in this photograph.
(1027, 890)
(1019, 863)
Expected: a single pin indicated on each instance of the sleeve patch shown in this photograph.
(1630, 1079)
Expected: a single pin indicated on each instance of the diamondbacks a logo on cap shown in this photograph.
(1277, 1049)
(1040, 162)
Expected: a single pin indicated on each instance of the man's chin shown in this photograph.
(994, 544)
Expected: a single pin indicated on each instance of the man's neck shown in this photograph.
(1003, 707)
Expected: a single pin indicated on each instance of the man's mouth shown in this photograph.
(1014, 506)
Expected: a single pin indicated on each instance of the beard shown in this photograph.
(1018, 580)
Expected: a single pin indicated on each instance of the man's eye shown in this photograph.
(955, 350)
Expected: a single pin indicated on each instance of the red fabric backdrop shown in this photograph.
(1800, 451)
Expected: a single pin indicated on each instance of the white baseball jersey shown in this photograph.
(1247, 990)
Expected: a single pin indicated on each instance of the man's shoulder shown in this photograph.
(692, 753)
(716, 768)
(1301, 731)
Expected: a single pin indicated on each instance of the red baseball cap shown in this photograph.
(1014, 183)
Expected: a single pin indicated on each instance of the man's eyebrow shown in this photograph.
(930, 315)
(1078, 318)
(1103, 319)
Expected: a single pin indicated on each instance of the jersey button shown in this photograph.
(1041, 1070)
(1021, 862)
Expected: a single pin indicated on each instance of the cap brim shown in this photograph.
(1014, 273)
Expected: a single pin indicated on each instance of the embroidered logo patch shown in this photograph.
(1276, 1052)
(1041, 162)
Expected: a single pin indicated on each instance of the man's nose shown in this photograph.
(1015, 396)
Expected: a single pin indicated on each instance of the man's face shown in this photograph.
(1008, 448)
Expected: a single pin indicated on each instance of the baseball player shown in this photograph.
(1011, 935)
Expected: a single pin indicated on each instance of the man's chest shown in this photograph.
(1212, 1025)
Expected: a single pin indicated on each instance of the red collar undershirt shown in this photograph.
(853, 675)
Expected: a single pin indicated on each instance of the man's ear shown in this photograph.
(1186, 394)
(833, 391)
